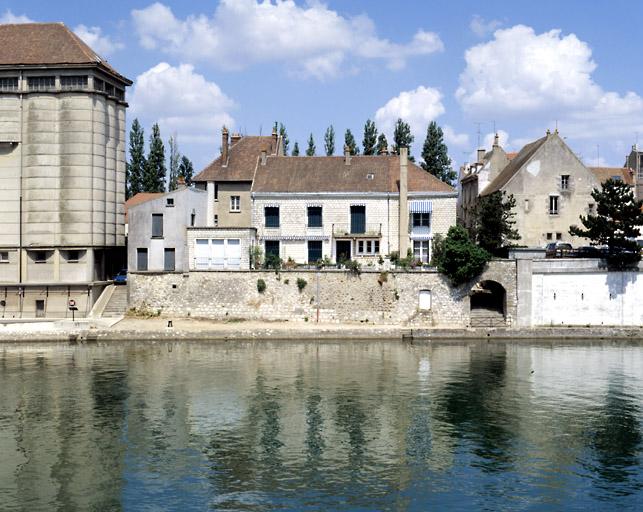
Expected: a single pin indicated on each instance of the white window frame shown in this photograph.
(4, 256)
(554, 205)
(423, 252)
(366, 247)
(235, 203)
(564, 181)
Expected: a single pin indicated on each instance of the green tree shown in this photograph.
(154, 177)
(459, 258)
(369, 143)
(285, 141)
(135, 168)
(186, 170)
(349, 142)
(310, 150)
(175, 157)
(382, 144)
(618, 214)
(435, 155)
(295, 149)
(329, 141)
(494, 222)
(402, 137)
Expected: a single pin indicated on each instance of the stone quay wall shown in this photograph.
(372, 296)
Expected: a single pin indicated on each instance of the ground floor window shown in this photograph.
(368, 247)
(271, 247)
(169, 263)
(141, 258)
(421, 250)
(314, 251)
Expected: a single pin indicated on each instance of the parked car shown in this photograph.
(588, 251)
(121, 277)
(558, 250)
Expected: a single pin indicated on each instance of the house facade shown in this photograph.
(634, 161)
(62, 170)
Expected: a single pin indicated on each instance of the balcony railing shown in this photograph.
(368, 230)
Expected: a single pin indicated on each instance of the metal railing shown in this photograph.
(346, 230)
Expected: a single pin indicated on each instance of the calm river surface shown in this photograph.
(321, 426)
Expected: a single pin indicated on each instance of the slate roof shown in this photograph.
(332, 174)
(602, 174)
(52, 44)
(513, 167)
(242, 160)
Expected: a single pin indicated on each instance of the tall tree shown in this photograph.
(310, 150)
(135, 168)
(154, 178)
(186, 170)
(349, 142)
(458, 257)
(285, 141)
(175, 157)
(402, 137)
(494, 223)
(435, 155)
(295, 149)
(369, 143)
(382, 144)
(618, 215)
(329, 141)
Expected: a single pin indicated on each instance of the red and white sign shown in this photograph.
(72, 303)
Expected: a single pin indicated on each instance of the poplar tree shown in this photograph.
(493, 228)
(329, 141)
(369, 143)
(135, 168)
(186, 170)
(154, 177)
(285, 141)
(295, 149)
(349, 142)
(402, 137)
(435, 155)
(382, 144)
(310, 151)
(175, 157)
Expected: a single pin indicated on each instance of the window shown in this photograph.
(41, 83)
(424, 300)
(168, 261)
(120, 94)
(216, 191)
(550, 236)
(73, 82)
(526, 205)
(8, 84)
(235, 203)
(370, 176)
(553, 205)
(564, 182)
(314, 216)
(216, 220)
(40, 308)
(73, 256)
(271, 215)
(271, 247)
(141, 258)
(109, 89)
(421, 250)
(559, 236)
(358, 219)
(157, 225)
(368, 247)
(40, 256)
(4, 256)
(421, 219)
(169, 202)
(99, 85)
(314, 251)
(193, 219)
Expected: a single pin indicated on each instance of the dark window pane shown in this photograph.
(157, 225)
(314, 251)
(272, 216)
(141, 258)
(272, 247)
(358, 219)
(169, 264)
(314, 217)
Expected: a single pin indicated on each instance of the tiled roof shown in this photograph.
(242, 160)
(139, 198)
(513, 167)
(602, 174)
(512, 155)
(32, 44)
(332, 174)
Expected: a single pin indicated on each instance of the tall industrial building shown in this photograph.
(62, 171)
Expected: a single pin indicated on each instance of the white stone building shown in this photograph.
(62, 170)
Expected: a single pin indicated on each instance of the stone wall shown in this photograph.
(375, 297)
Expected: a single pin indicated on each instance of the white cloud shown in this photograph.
(453, 139)
(417, 107)
(103, 45)
(10, 17)
(182, 102)
(481, 27)
(311, 39)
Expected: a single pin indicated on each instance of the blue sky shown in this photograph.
(524, 66)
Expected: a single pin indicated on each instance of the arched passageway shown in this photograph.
(488, 301)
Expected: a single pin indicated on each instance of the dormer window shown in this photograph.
(370, 176)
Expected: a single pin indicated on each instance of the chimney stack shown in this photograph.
(236, 137)
(275, 137)
(404, 204)
(481, 153)
(496, 141)
(264, 156)
(224, 146)
(347, 155)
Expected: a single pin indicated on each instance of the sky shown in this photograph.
(518, 67)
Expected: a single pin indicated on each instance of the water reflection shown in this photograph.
(369, 426)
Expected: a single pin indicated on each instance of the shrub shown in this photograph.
(382, 278)
(256, 256)
(272, 261)
(354, 267)
(301, 283)
(261, 285)
(459, 258)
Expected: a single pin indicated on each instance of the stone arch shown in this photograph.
(488, 304)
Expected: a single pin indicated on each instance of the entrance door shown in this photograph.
(342, 250)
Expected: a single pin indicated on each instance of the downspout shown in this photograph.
(20, 186)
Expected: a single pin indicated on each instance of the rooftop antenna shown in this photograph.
(260, 127)
(598, 155)
(494, 127)
(478, 124)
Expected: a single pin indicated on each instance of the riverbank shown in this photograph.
(153, 329)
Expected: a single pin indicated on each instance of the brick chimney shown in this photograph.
(347, 155)
(264, 156)
(275, 137)
(224, 146)
(236, 137)
(404, 203)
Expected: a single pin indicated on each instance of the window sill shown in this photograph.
(157, 238)
(234, 211)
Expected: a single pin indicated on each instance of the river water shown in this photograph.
(321, 426)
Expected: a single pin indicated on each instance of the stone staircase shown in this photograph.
(117, 305)
(487, 318)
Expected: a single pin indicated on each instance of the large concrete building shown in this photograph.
(62, 170)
